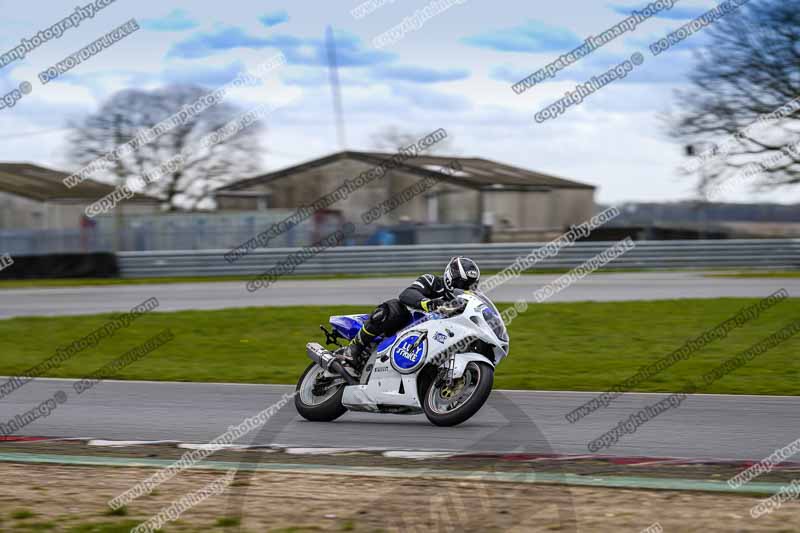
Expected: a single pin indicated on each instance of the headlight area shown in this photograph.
(496, 323)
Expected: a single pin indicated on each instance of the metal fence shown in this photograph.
(200, 231)
(191, 231)
(40, 242)
(775, 253)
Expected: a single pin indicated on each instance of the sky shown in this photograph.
(454, 71)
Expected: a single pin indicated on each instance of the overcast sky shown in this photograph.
(454, 72)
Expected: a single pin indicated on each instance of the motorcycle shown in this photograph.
(441, 364)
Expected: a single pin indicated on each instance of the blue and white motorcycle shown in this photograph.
(441, 364)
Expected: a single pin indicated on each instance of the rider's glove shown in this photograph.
(452, 307)
(432, 305)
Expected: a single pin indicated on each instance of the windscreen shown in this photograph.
(492, 317)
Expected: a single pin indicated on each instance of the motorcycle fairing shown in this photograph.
(384, 389)
(348, 325)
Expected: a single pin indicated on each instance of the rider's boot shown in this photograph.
(353, 354)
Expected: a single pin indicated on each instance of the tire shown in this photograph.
(326, 411)
(464, 411)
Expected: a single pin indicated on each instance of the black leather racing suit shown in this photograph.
(426, 294)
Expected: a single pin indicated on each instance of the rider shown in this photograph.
(428, 293)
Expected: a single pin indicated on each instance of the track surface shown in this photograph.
(370, 291)
(703, 426)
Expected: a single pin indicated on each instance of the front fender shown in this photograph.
(461, 360)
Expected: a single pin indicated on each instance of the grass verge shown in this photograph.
(563, 346)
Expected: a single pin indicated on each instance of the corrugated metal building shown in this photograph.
(518, 204)
(35, 197)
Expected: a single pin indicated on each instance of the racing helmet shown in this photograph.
(461, 273)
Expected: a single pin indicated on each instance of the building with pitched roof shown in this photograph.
(35, 197)
(518, 204)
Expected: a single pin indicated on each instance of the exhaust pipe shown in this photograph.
(326, 360)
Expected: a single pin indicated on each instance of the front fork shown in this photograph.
(445, 377)
(450, 371)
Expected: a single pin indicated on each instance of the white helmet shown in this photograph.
(461, 273)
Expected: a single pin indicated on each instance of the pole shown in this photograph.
(335, 89)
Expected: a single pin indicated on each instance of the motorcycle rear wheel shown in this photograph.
(323, 408)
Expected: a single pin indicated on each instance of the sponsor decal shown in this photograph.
(441, 337)
(409, 353)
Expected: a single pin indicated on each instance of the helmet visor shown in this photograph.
(464, 284)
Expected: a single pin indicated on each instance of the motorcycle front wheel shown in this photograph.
(450, 405)
(313, 401)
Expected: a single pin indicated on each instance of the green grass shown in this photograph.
(119, 511)
(21, 514)
(227, 521)
(563, 346)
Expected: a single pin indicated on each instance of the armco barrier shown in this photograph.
(91, 265)
(772, 253)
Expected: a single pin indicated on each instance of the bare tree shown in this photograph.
(391, 139)
(749, 69)
(205, 166)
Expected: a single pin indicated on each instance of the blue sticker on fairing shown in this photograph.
(386, 343)
(405, 357)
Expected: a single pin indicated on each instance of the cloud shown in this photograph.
(203, 75)
(177, 20)
(206, 44)
(274, 18)
(5, 74)
(419, 74)
(670, 67)
(507, 73)
(676, 13)
(533, 36)
(350, 52)
(316, 78)
(429, 99)
(642, 42)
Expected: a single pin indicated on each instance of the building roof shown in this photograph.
(46, 185)
(475, 173)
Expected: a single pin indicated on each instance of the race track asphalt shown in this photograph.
(371, 291)
(702, 427)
